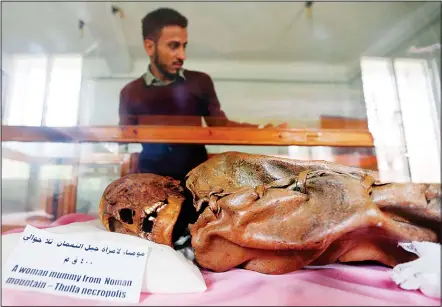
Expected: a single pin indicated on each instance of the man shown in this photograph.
(167, 94)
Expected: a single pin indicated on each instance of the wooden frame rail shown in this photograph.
(191, 135)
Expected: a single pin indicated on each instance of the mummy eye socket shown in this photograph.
(126, 215)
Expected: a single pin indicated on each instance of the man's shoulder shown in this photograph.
(133, 86)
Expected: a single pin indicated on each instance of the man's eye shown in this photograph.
(174, 45)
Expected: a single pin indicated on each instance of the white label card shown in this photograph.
(74, 266)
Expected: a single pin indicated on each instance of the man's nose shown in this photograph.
(181, 54)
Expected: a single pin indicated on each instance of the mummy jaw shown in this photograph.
(151, 214)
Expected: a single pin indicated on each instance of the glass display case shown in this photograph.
(360, 88)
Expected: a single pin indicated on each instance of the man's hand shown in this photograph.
(282, 126)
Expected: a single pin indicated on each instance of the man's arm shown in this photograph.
(126, 116)
(214, 115)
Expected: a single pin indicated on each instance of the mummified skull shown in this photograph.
(275, 215)
(144, 205)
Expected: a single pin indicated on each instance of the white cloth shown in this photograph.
(422, 273)
(166, 271)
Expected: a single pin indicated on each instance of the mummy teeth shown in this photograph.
(155, 207)
(161, 208)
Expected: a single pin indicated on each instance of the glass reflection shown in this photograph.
(375, 68)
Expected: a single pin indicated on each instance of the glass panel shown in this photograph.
(26, 90)
(421, 126)
(64, 91)
(43, 181)
(288, 69)
(38, 188)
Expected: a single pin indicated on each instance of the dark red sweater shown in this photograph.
(182, 103)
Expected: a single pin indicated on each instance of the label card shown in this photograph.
(75, 266)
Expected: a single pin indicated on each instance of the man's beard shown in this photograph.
(163, 68)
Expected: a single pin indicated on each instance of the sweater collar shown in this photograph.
(150, 79)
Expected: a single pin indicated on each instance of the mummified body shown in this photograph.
(275, 215)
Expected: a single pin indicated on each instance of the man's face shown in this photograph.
(169, 51)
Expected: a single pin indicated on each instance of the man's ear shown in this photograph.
(149, 46)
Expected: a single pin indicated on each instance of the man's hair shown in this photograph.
(155, 21)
